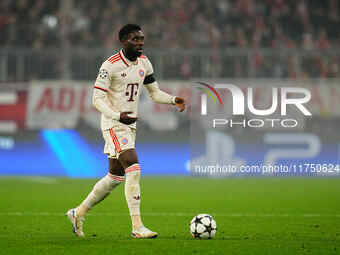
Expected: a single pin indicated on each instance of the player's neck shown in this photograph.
(129, 56)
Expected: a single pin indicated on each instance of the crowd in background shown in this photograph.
(216, 26)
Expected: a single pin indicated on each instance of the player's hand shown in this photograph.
(126, 119)
(180, 104)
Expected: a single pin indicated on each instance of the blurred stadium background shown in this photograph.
(50, 52)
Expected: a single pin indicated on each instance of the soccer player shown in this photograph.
(115, 94)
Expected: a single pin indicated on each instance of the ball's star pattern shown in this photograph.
(205, 221)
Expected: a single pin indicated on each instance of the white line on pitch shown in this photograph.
(179, 214)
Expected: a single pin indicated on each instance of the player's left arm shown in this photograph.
(156, 93)
(160, 96)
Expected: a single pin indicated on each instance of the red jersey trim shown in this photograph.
(105, 90)
(116, 57)
(113, 56)
(115, 140)
(114, 61)
(123, 59)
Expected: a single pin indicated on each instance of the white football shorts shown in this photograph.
(118, 139)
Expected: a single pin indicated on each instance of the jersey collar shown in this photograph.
(126, 61)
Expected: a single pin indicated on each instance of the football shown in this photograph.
(203, 226)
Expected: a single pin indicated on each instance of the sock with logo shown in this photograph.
(132, 194)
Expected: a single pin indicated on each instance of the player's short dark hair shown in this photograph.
(127, 29)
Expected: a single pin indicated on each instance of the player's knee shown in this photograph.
(132, 178)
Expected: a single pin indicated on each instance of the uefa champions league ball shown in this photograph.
(203, 226)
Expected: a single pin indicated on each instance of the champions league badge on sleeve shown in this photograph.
(103, 74)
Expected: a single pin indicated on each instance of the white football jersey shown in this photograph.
(122, 80)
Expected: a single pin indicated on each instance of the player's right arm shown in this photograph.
(100, 100)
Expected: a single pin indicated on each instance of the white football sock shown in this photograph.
(99, 192)
(132, 193)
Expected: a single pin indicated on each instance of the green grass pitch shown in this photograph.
(253, 215)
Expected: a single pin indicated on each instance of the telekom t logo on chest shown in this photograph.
(301, 97)
(131, 91)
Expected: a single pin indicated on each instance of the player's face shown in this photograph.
(135, 43)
